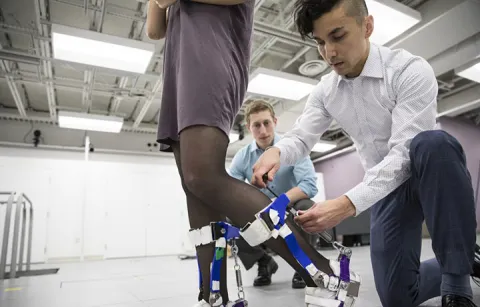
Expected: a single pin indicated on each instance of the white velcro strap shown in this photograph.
(285, 231)
(342, 295)
(320, 297)
(215, 285)
(312, 269)
(202, 236)
(321, 302)
(256, 233)
(221, 242)
(202, 303)
(274, 216)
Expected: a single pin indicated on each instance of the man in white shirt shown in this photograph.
(386, 100)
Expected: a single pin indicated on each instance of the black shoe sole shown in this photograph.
(297, 286)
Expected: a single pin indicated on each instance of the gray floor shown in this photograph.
(165, 281)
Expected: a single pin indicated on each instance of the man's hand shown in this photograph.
(163, 4)
(326, 215)
(268, 163)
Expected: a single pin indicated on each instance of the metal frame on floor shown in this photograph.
(20, 218)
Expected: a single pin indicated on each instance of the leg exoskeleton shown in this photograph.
(220, 233)
(337, 290)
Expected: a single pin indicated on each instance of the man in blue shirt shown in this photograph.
(299, 181)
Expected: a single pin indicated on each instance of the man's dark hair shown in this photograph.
(307, 11)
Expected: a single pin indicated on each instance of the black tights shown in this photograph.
(212, 194)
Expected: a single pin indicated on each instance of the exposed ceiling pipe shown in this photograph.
(109, 92)
(258, 5)
(102, 16)
(157, 88)
(298, 55)
(112, 9)
(37, 117)
(280, 33)
(260, 51)
(118, 99)
(43, 49)
(13, 89)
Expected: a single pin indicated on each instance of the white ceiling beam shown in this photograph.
(4, 65)
(461, 103)
(457, 56)
(445, 24)
(157, 89)
(37, 117)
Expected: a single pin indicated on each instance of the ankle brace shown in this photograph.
(220, 233)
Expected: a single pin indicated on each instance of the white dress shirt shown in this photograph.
(389, 103)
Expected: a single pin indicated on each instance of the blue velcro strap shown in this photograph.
(222, 233)
(297, 251)
(280, 205)
(216, 268)
(232, 232)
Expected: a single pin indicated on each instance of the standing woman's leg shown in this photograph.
(203, 151)
(200, 215)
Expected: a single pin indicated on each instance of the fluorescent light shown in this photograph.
(234, 137)
(102, 50)
(472, 72)
(279, 84)
(323, 146)
(391, 18)
(93, 122)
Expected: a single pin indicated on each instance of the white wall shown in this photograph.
(107, 207)
(111, 206)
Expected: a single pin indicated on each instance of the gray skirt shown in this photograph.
(206, 67)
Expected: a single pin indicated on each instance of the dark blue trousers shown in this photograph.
(440, 193)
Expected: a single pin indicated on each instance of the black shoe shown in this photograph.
(266, 268)
(451, 300)
(298, 282)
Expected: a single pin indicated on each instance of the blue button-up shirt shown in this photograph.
(301, 174)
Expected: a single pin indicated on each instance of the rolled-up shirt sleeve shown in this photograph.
(415, 111)
(307, 130)
(306, 178)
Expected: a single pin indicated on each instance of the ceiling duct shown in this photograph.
(313, 65)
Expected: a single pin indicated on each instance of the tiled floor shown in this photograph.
(165, 281)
